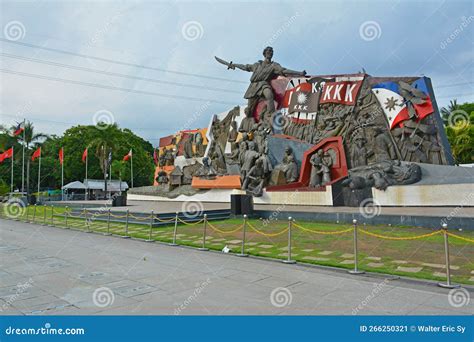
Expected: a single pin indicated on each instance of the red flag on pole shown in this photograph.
(84, 155)
(61, 156)
(18, 130)
(37, 154)
(7, 154)
(155, 157)
(127, 156)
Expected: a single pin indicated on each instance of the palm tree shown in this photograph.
(446, 111)
(104, 145)
(29, 138)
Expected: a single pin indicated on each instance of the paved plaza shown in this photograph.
(46, 270)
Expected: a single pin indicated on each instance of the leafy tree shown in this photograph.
(459, 124)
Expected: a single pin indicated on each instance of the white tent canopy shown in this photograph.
(74, 186)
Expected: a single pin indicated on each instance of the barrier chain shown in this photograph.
(203, 248)
(448, 284)
(126, 236)
(175, 230)
(151, 227)
(44, 215)
(356, 269)
(108, 223)
(242, 251)
(34, 213)
(289, 260)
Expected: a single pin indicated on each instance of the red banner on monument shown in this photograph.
(340, 92)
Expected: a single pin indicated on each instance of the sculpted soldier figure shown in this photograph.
(262, 73)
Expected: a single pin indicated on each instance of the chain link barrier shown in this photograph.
(386, 237)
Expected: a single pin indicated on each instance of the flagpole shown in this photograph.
(62, 175)
(39, 175)
(11, 183)
(23, 163)
(87, 157)
(131, 165)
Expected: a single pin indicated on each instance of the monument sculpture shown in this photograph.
(386, 129)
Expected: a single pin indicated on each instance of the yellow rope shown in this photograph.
(399, 238)
(140, 218)
(167, 220)
(190, 224)
(118, 216)
(267, 234)
(323, 232)
(224, 231)
(460, 237)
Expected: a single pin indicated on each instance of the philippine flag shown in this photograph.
(394, 105)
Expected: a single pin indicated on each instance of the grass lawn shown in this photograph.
(420, 258)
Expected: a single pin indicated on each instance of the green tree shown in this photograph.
(459, 125)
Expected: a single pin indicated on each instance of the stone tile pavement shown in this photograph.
(46, 270)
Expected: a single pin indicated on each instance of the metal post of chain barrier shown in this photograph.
(65, 216)
(52, 216)
(203, 248)
(152, 216)
(34, 213)
(355, 270)
(86, 221)
(448, 284)
(44, 215)
(27, 212)
(175, 230)
(108, 223)
(242, 251)
(290, 225)
(126, 236)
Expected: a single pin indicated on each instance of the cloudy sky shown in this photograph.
(176, 40)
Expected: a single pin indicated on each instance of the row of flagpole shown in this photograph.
(38, 153)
